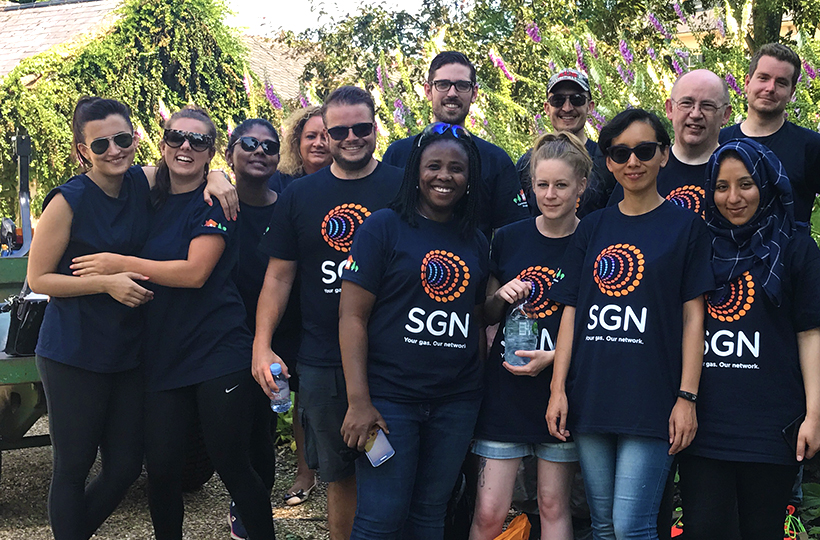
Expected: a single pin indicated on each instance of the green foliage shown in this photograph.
(174, 53)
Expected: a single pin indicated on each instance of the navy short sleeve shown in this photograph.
(806, 282)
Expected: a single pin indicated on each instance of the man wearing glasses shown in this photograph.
(697, 107)
(770, 85)
(451, 88)
(310, 236)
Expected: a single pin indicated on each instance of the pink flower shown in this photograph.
(379, 76)
(593, 51)
(273, 99)
(580, 56)
(499, 63)
(533, 32)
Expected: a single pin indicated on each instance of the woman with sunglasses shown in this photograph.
(759, 400)
(411, 342)
(304, 152)
(88, 350)
(199, 348)
(630, 344)
(527, 257)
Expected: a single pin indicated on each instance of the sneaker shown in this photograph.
(238, 531)
(794, 528)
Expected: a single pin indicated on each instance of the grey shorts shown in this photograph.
(322, 408)
(564, 452)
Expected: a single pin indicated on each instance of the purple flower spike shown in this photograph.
(580, 56)
(271, 96)
(810, 71)
(551, 65)
(303, 101)
(658, 26)
(625, 52)
(533, 32)
(677, 67)
(679, 11)
(593, 51)
(499, 63)
(652, 54)
(721, 27)
(732, 82)
(623, 74)
(682, 54)
(379, 76)
(247, 83)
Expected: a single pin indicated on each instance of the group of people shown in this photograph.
(677, 324)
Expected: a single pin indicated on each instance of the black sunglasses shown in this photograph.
(198, 141)
(444, 85)
(442, 128)
(250, 144)
(620, 153)
(339, 133)
(100, 146)
(576, 100)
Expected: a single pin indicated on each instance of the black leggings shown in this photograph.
(732, 499)
(88, 411)
(225, 406)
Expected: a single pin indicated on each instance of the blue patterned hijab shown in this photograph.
(759, 245)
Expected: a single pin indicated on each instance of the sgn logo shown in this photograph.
(339, 225)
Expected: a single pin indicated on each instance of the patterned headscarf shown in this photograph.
(759, 245)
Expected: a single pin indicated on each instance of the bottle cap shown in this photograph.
(275, 369)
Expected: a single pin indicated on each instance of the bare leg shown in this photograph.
(496, 480)
(341, 507)
(305, 477)
(554, 484)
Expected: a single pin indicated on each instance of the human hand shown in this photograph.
(683, 424)
(557, 410)
(514, 291)
(123, 288)
(263, 358)
(359, 422)
(539, 361)
(98, 264)
(220, 186)
(808, 438)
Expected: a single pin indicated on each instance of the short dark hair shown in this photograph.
(780, 52)
(349, 95)
(467, 209)
(89, 109)
(450, 57)
(626, 118)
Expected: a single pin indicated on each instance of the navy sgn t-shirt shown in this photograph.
(95, 332)
(194, 335)
(514, 406)
(422, 333)
(677, 182)
(798, 149)
(628, 277)
(751, 386)
(314, 223)
(502, 199)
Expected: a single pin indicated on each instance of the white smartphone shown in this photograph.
(378, 448)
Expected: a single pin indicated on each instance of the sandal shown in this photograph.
(298, 497)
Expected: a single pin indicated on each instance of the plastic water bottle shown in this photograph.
(281, 399)
(520, 334)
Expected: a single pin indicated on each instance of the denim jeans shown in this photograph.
(406, 497)
(624, 477)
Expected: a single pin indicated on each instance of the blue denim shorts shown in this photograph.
(564, 452)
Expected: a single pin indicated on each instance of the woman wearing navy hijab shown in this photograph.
(759, 401)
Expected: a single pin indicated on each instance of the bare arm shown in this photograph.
(355, 306)
(498, 297)
(808, 437)
(192, 272)
(273, 299)
(558, 406)
(48, 247)
(683, 422)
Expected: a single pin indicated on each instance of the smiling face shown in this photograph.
(451, 106)
(313, 146)
(352, 153)
(556, 187)
(568, 117)
(737, 196)
(255, 164)
(696, 128)
(115, 160)
(769, 88)
(185, 162)
(637, 176)
(443, 175)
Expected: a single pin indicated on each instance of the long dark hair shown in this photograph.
(407, 199)
(87, 110)
(162, 183)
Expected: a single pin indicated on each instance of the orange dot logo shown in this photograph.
(538, 306)
(340, 224)
(736, 301)
(444, 275)
(690, 197)
(619, 269)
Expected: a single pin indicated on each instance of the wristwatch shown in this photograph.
(688, 396)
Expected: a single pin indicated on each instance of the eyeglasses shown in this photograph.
(442, 128)
(706, 107)
(576, 100)
(444, 85)
(250, 144)
(340, 133)
(620, 153)
(100, 146)
(198, 141)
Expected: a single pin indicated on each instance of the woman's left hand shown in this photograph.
(98, 264)
(683, 424)
(808, 438)
(539, 361)
(219, 186)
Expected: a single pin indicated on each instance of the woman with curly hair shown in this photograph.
(305, 148)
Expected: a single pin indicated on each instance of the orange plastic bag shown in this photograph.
(519, 529)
